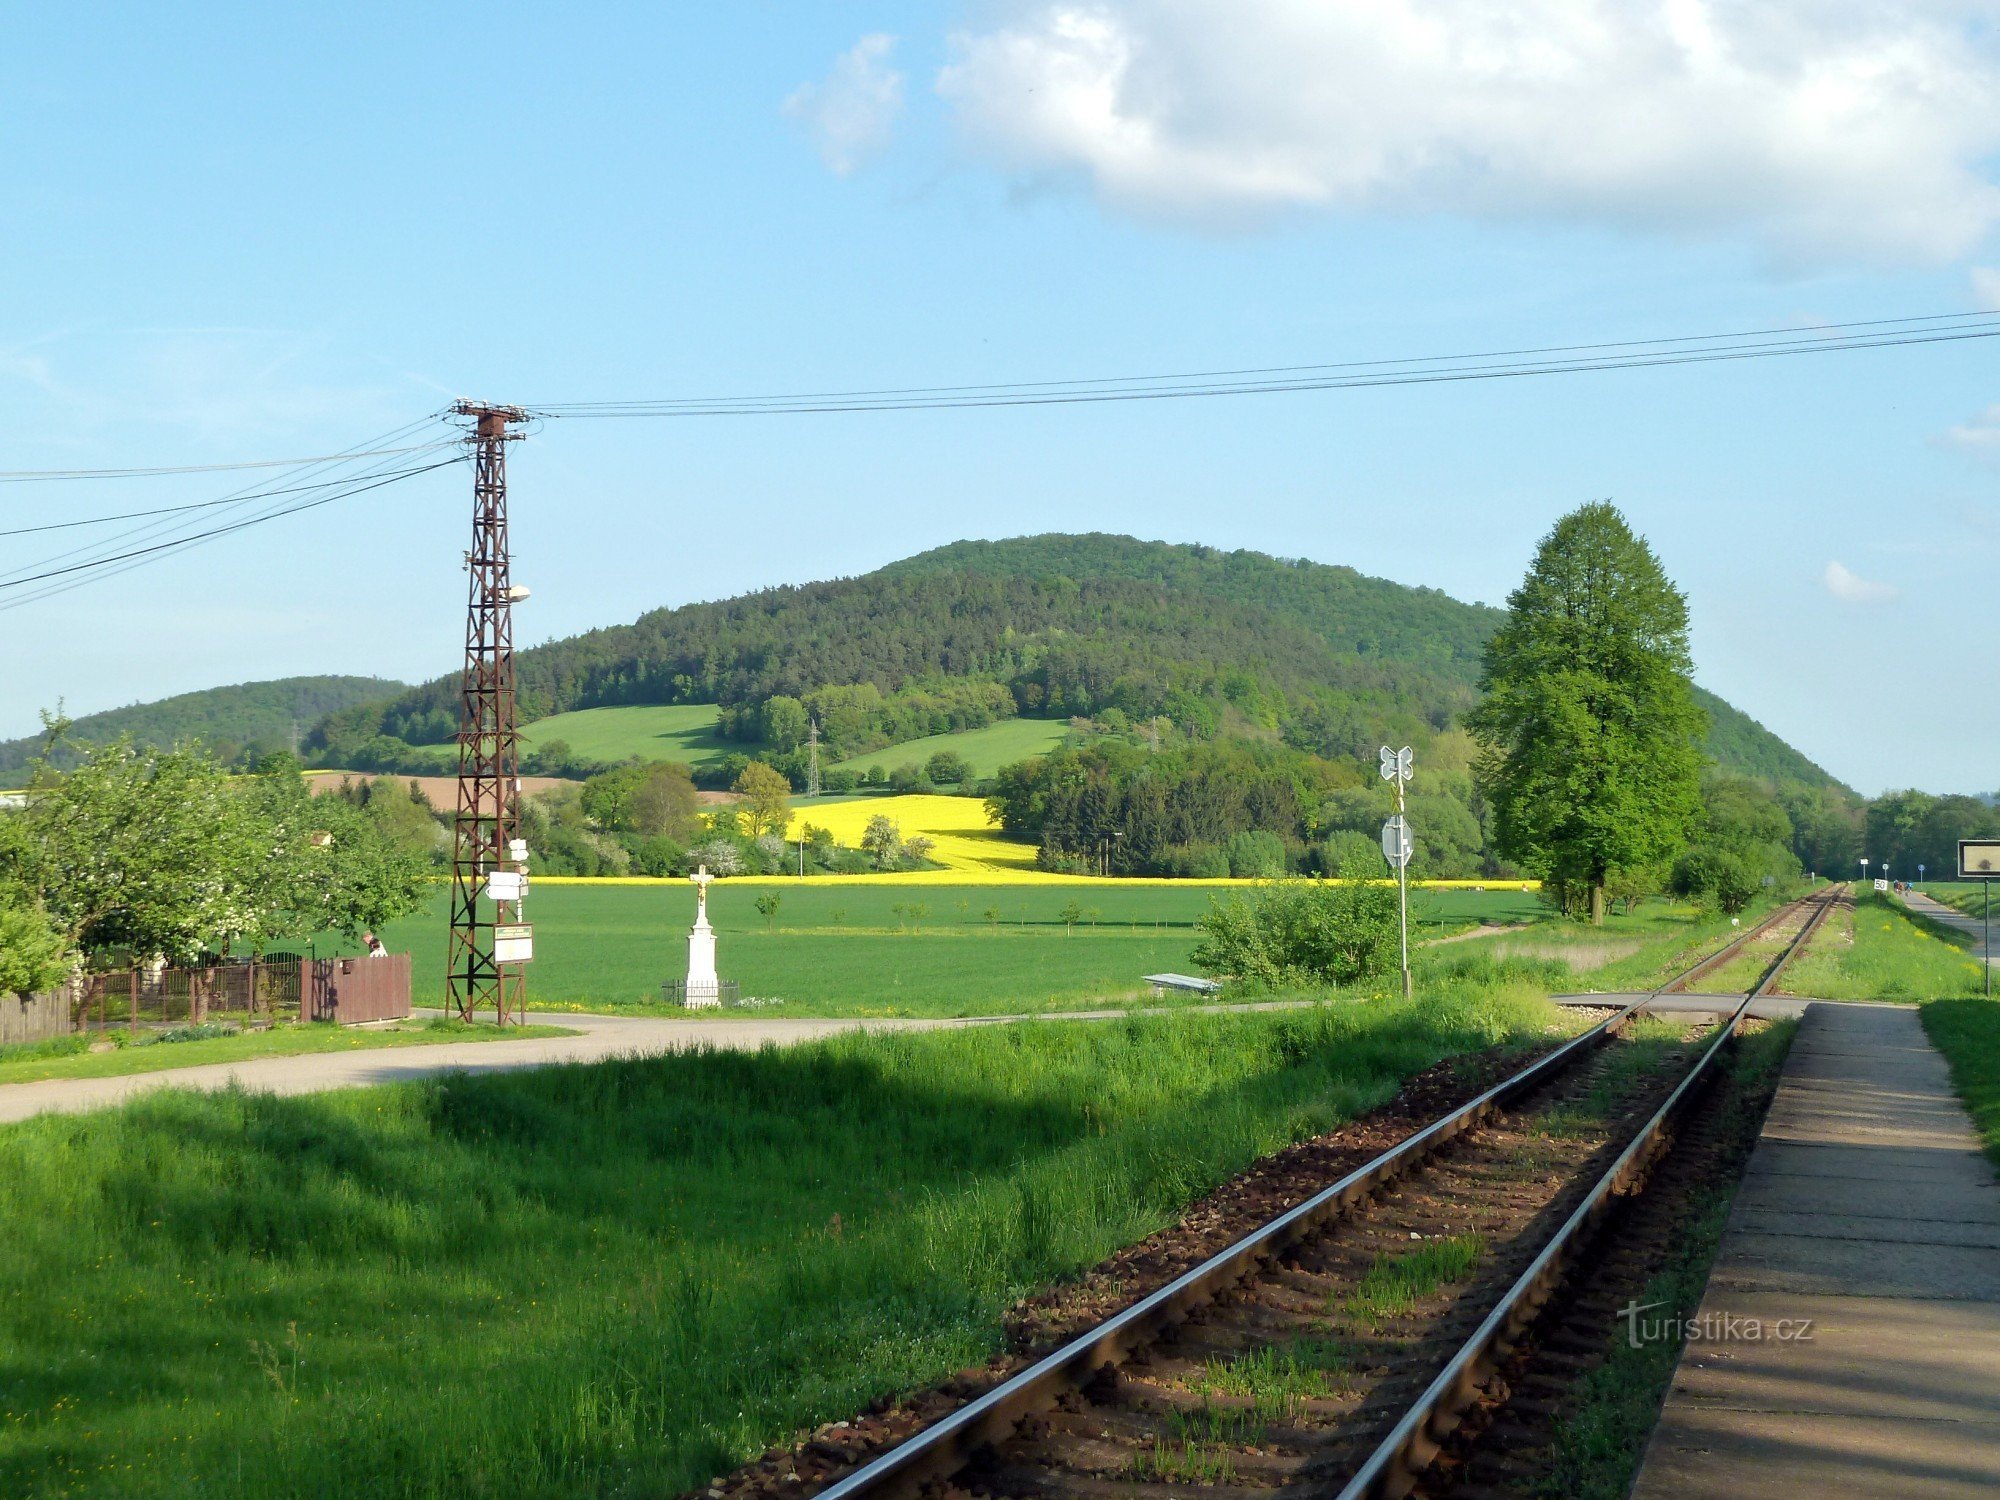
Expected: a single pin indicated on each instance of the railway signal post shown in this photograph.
(1398, 845)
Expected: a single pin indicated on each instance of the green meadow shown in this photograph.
(985, 750)
(624, 1278)
(651, 731)
(834, 948)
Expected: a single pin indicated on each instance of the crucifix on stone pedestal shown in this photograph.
(703, 988)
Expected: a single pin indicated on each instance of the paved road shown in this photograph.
(1938, 912)
(1869, 1209)
(598, 1038)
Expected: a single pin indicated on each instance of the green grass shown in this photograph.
(682, 731)
(70, 1057)
(1967, 1032)
(836, 949)
(621, 1278)
(1884, 954)
(1651, 944)
(1397, 1283)
(986, 750)
(1278, 1379)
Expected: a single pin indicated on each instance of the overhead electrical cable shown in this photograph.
(202, 536)
(1555, 360)
(169, 510)
(33, 476)
(134, 548)
(248, 495)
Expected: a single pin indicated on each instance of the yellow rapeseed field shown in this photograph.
(972, 850)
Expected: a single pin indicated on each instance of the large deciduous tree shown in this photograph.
(767, 804)
(1590, 730)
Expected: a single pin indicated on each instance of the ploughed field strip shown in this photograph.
(1340, 1347)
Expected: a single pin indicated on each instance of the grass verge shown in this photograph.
(621, 1278)
(70, 1057)
(1880, 952)
(1967, 1032)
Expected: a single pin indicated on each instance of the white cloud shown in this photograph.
(1986, 287)
(1852, 588)
(851, 114)
(1824, 129)
(1980, 435)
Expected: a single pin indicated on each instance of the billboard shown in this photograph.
(1979, 859)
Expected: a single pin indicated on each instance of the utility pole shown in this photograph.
(489, 789)
(812, 763)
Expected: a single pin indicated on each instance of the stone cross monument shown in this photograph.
(703, 988)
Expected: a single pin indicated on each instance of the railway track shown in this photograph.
(1337, 1347)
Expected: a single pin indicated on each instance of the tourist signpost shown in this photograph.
(1979, 859)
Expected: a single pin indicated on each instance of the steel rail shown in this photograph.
(949, 1443)
(1401, 1457)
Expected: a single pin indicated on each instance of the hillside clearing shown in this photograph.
(985, 750)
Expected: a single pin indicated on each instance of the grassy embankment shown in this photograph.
(71, 1057)
(1881, 952)
(836, 949)
(621, 1278)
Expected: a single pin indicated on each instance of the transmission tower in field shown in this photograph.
(812, 761)
(487, 864)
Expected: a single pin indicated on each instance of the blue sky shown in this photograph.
(231, 236)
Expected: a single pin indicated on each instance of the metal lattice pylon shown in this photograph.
(489, 786)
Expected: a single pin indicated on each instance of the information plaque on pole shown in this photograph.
(1979, 859)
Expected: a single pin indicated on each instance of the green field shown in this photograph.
(686, 732)
(836, 949)
(650, 731)
(986, 750)
(625, 1278)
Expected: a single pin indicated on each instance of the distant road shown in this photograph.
(1938, 912)
(599, 1038)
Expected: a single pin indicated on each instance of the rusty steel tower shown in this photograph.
(489, 788)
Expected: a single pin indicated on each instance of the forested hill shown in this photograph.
(1329, 658)
(247, 716)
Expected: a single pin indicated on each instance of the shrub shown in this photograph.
(1303, 932)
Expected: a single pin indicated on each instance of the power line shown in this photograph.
(248, 495)
(197, 538)
(116, 555)
(33, 476)
(169, 510)
(1555, 360)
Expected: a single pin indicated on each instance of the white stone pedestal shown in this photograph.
(703, 988)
